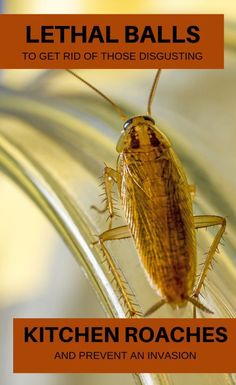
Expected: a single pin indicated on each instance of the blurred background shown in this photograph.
(68, 132)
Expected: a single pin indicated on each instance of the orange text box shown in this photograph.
(112, 41)
(124, 345)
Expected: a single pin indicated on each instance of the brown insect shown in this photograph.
(157, 203)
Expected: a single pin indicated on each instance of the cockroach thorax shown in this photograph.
(141, 134)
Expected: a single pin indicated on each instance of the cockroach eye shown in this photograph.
(127, 123)
(148, 118)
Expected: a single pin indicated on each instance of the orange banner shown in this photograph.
(112, 41)
(124, 345)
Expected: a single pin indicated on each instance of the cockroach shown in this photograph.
(157, 202)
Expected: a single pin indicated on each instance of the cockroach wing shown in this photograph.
(158, 208)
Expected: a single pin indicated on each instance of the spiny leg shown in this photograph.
(117, 233)
(203, 221)
(110, 176)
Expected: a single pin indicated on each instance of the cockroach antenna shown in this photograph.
(117, 108)
(152, 92)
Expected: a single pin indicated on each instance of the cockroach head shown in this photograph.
(140, 134)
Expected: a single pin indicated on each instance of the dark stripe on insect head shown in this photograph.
(154, 141)
(134, 139)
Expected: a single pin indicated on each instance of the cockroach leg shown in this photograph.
(197, 304)
(203, 221)
(121, 232)
(110, 176)
(154, 307)
(117, 233)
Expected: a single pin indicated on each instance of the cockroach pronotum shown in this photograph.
(157, 202)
